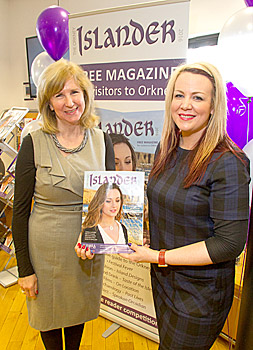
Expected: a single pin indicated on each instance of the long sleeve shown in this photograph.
(24, 189)
(229, 209)
(229, 240)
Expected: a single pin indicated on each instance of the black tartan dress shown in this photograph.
(192, 302)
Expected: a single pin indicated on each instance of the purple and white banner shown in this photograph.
(129, 53)
(133, 80)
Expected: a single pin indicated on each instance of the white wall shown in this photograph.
(4, 55)
(18, 20)
(209, 16)
(23, 15)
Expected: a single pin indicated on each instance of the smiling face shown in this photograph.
(123, 157)
(112, 203)
(68, 104)
(191, 106)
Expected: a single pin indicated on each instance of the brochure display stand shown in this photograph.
(9, 125)
(8, 277)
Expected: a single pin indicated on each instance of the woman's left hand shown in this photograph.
(141, 254)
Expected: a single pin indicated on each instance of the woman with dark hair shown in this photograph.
(198, 195)
(125, 157)
(101, 224)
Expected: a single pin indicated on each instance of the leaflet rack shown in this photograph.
(9, 121)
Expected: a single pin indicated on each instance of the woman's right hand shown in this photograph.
(29, 286)
(141, 254)
(82, 251)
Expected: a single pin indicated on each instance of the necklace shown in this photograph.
(71, 150)
(111, 227)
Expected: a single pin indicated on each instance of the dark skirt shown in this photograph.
(191, 304)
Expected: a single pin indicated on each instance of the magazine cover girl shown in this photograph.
(112, 210)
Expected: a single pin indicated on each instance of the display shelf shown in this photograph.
(5, 147)
(9, 276)
(10, 119)
(11, 122)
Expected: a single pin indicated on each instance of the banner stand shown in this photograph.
(110, 330)
(128, 54)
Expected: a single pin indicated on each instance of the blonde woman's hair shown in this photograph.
(52, 81)
(214, 136)
(95, 207)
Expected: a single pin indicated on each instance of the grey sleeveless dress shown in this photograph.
(69, 288)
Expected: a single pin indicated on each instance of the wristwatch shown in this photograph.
(161, 258)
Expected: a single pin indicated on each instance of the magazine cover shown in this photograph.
(113, 204)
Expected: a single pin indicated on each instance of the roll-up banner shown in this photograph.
(129, 53)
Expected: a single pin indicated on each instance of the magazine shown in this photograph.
(113, 204)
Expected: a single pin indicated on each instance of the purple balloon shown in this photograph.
(53, 31)
(249, 2)
(239, 116)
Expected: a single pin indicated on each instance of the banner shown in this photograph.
(129, 53)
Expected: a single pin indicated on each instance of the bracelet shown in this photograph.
(161, 258)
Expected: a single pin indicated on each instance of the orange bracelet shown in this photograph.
(161, 258)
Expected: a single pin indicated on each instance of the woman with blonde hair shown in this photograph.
(50, 169)
(102, 222)
(198, 211)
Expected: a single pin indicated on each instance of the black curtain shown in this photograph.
(244, 337)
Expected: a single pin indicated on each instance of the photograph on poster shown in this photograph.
(141, 128)
(112, 210)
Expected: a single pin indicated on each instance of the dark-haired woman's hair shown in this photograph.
(120, 138)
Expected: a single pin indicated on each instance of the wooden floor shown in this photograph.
(15, 332)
